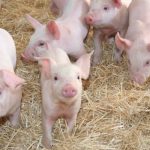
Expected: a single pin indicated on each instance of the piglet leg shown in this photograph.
(14, 118)
(117, 54)
(98, 39)
(70, 123)
(47, 124)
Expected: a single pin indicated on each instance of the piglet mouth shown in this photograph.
(25, 59)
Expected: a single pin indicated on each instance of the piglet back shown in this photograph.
(7, 49)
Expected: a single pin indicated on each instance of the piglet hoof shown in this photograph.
(15, 124)
(46, 143)
(117, 55)
(117, 59)
(95, 62)
(69, 131)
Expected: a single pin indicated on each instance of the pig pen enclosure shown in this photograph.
(114, 115)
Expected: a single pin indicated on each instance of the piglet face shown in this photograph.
(65, 78)
(39, 49)
(38, 42)
(139, 61)
(138, 53)
(102, 12)
(66, 82)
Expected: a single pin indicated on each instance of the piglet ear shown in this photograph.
(35, 23)
(84, 64)
(121, 43)
(45, 65)
(53, 29)
(11, 80)
(117, 3)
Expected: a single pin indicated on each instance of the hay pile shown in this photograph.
(115, 114)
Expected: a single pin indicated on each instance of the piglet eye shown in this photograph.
(78, 77)
(0, 92)
(106, 8)
(41, 44)
(147, 63)
(55, 78)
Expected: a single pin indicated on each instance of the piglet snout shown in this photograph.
(69, 91)
(23, 57)
(138, 78)
(89, 19)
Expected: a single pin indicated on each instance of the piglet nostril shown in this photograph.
(89, 20)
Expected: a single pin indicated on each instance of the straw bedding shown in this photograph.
(115, 114)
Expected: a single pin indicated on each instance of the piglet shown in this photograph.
(10, 83)
(61, 91)
(67, 32)
(137, 41)
(107, 17)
